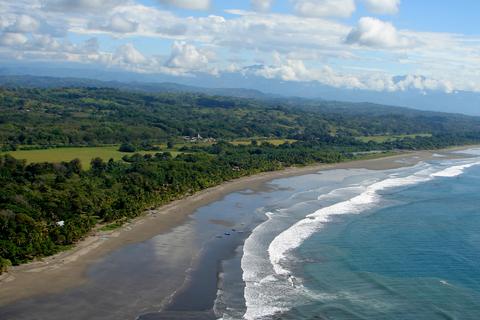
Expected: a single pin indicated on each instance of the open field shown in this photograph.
(381, 139)
(85, 154)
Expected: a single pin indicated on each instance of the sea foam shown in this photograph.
(455, 170)
(294, 236)
(265, 292)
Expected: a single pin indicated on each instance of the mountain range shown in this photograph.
(237, 85)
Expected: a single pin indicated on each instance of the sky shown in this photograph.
(378, 45)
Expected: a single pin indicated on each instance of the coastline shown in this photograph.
(68, 269)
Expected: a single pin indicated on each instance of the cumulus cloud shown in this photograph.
(261, 5)
(325, 8)
(382, 6)
(372, 32)
(23, 24)
(188, 4)
(324, 50)
(128, 54)
(422, 83)
(11, 39)
(290, 70)
(297, 70)
(119, 24)
(186, 56)
(45, 43)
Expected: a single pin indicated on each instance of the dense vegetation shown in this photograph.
(45, 207)
(96, 116)
(106, 116)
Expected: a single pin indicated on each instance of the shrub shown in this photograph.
(4, 264)
(127, 147)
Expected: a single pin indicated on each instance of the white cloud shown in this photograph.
(310, 46)
(135, 20)
(120, 24)
(325, 8)
(45, 42)
(128, 54)
(188, 4)
(23, 24)
(261, 5)
(187, 57)
(296, 70)
(10, 39)
(372, 32)
(291, 70)
(382, 6)
(264, 33)
(424, 84)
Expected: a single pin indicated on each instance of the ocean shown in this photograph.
(362, 244)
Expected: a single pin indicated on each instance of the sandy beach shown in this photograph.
(68, 269)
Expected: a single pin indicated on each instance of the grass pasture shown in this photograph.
(85, 154)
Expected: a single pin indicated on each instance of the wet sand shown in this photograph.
(69, 269)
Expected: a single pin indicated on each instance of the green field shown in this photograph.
(381, 139)
(85, 154)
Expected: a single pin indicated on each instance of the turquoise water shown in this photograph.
(418, 259)
(362, 244)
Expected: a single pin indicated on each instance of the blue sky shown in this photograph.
(426, 15)
(379, 45)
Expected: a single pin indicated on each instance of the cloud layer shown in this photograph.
(311, 42)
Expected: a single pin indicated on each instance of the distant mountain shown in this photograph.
(27, 81)
(250, 86)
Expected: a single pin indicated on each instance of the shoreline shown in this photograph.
(67, 269)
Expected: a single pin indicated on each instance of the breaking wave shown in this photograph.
(269, 282)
